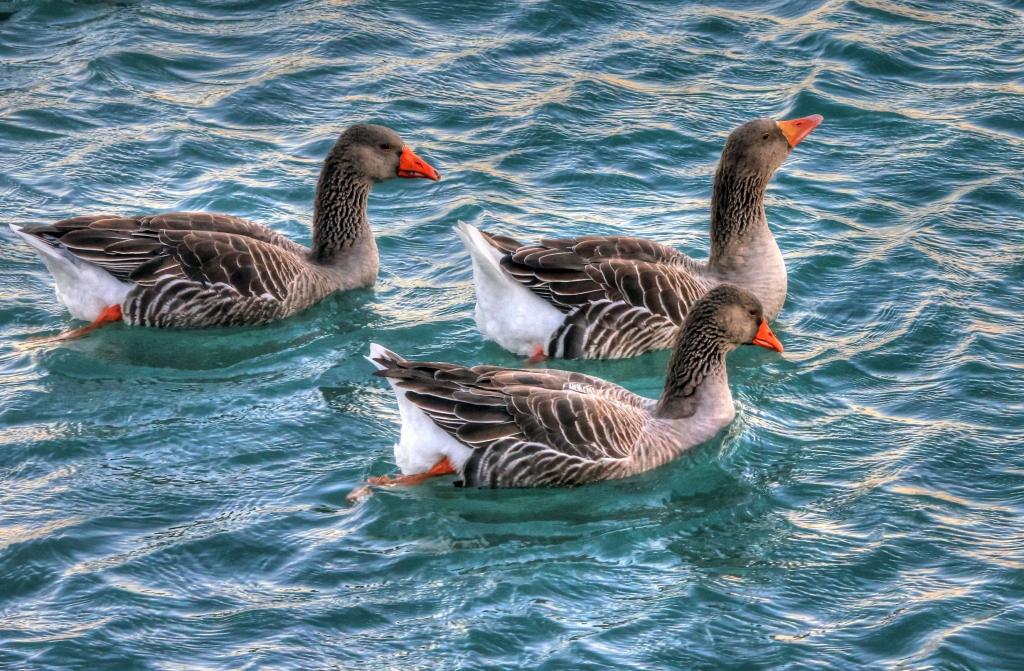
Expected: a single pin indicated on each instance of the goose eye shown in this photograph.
(386, 147)
(753, 313)
(765, 136)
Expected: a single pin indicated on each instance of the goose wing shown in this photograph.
(638, 307)
(211, 278)
(574, 271)
(527, 428)
(145, 249)
(622, 296)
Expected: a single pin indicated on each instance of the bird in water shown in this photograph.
(507, 427)
(612, 296)
(195, 270)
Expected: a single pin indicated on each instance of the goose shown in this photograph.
(606, 297)
(506, 427)
(194, 270)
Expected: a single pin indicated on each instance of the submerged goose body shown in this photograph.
(606, 297)
(192, 269)
(501, 427)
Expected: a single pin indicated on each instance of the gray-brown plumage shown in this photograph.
(192, 269)
(504, 427)
(621, 296)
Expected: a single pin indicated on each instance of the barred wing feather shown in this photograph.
(525, 427)
(622, 296)
(145, 249)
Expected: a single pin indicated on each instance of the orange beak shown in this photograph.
(797, 129)
(765, 338)
(411, 165)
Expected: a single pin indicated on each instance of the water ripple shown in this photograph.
(181, 497)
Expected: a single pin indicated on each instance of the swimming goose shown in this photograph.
(502, 427)
(604, 297)
(192, 269)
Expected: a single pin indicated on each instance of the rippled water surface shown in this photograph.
(176, 500)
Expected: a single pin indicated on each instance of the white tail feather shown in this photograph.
(380, 352)
(85, 289)
(506, 311)
(422, 443)
(486, 259)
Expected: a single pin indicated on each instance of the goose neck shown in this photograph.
(339, 213)
(696, 372)
(737, 212)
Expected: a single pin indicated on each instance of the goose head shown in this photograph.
(378, 154)
(760, 146)
(737, 318)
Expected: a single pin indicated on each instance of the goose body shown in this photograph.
(193, 269)
(503, 427)
(617, 296)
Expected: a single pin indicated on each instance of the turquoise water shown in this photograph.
(175, 500)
